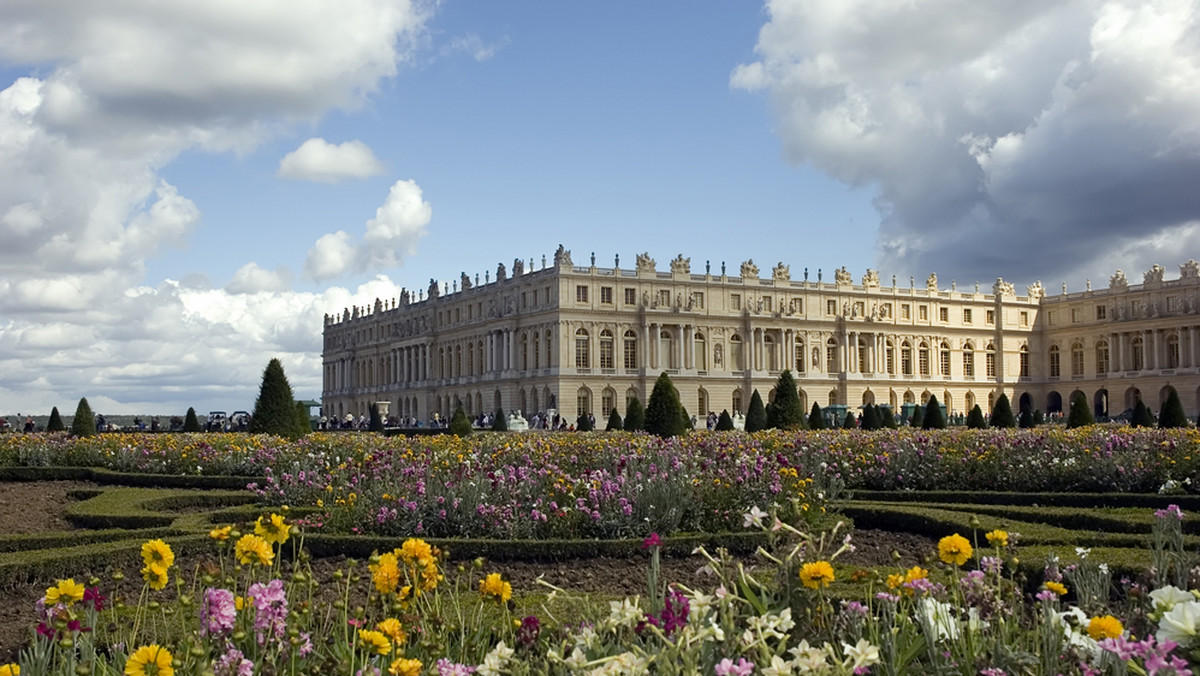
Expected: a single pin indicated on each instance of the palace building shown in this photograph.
(585, 339)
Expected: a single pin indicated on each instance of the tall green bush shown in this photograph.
(725, 421)
(849, 422)
(1002, 414)
(190, 422)
(816, 418)
(55, 423)
(499, 421)
(870, 417)
(934, 420)
(788, 413)
(376, 420)
(1141, 415)
(635, 415)
(84, 423)
(664, 413)
(459, 424)
(1172, 414)
(275, 408)
(975, 418)
(756, 415)
(917, 419)
(614, 421)
(1080, 414)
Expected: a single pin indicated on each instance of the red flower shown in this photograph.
(652, 541)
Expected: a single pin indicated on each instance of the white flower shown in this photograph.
(1166, 597)
(1074, 624)
(1180, 624)
(779, 667)
(861, 654)
(936, 619)
(809, 659)
(700, 603)
(586, 638)
(1082, 552)
(577, 659)
(785, 622)
(623, 613)
(495, 660)
(753, 518)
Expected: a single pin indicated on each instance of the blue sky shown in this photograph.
(189, 187)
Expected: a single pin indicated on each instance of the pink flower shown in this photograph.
(726, 667)
(652, 541)
(218, 612)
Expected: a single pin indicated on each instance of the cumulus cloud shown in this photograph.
(251, 278)
(318, 160)
(391, 236)
(1025, 139)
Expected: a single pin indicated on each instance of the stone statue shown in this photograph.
(842, 276)
(519, 266)
(781, 273)
(1154, 275)
(1035, 292)
(434, 291)
(1003, 288)
(378, 306)
(931, 282)
(1189, 270)
(465, 282)
(718, 355)
(645, 263)
(681, 265)
(1118, 282)
(501, 273)
(749, 269)
(561, 257)
(405, 298)
(871, 279)
(645, 299)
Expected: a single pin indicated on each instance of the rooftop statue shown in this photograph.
(931, 282)
(1118, 281)
(1154, 275)
(749, 269)
(1035, 292)
(645, 263)
(871, 279)
(842, 276)
(681, 265)
(781, 273)
(1189, 270)
(563, 257)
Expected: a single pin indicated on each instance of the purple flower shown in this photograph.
(1171, 510)
(652, 541)
(531, 627)
(233, 663)
(218, 612)
(447, 668)
(726, 667)
(270, 609)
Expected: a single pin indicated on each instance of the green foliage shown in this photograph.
(1025, 421)
(1002, 414)
(584, 423)
(934, 420)
(304, 421)
(499, 421)
(788, 415)
(1141, 415)
(376, 423)
(84, 424)
(55, 424)
(816, 419)
(614, 421)
(756, 415)
(635, 416)
(725, 422)
(275, 408)
(849, 422)
(190, 422)
(870, 418)
(975, 419)
(1172, 414)
(664, 413)
(459, 425)
(886, 417)
(1038, 417)
(1080, 414)
(917, 419)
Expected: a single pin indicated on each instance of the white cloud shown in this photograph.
(474, 46)
(390, 237)
(1027, 139)
(318, 160)
(251, 278)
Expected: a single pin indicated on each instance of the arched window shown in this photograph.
(583, 348)
(990, 363)
(906, 358)
(1077, 359)
(798, 357)
(737, 401)
(1055, 367)
(470, 361)
(889, 357)
(944, 358)
(1173, 351)
(923, 357)
(864, 364)
(701, 402)
(668, 343)
(1102, 357)
(479, 358)
(608, 400)
(607, 359)
(537, 350)
(831, 356)
(1023, 365)
(583, 401)
(458, 360)
(770, 357)
(699, 352)
(630, 353)
(1138, 354)
(833, 397)
(737, 353)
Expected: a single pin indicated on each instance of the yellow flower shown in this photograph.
(15, 670)
(1056, 587)
(400, 667)
(150, 660)
(916, 573)
(895, 580)
(375, 641)
(155, 577)
(253, 549)
(816, 574)
(415, 551)
(66, 591)
(386, 574)
(1100, 628)
(392, 628)
(998, 538)
(239, 602)
(954, 549)
(495, 587)
(158, 554)
(221, 534)
(274, 530)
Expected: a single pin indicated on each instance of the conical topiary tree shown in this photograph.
(1172, 414)
(84, 423)
(849, 422)
(788, 414)
(816, 418)
(499, 421)
(870, 417)
(887, 419)
(190, 422)
(1002, 415)
(725, 421)
(756, 415)
(1141, 415)
(975, 419)
(664, 413)
(459, 424)
(1038, 418)
(614, 421)
(376, 420)
(1025, 421)
(917, 419)
(934, 420)
(55, 423)
(635, 415)
(1080, 414)
(583, 423)
(275, 408)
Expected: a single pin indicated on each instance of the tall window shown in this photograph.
(606, 295)
(524, 352)
(889, 353)
(583, 401)
(1023, 366)
(537, 350)
(1138, 354)
(906, 358)
(549, 353)
(630, 349)
(770, 360)
(608, 400)
(923, 358)
(582, 349)
(737, 355)
(1077, 359)
(1055, 369)
(699, 352)
(581, 293)
(831, 356)
(798, 361)
(702, 402)
(944, 358)
(606, 350)
(668, 343)
(737, 401)
(969, 361)
(1173, 351)
(990, 359)
(863, 361)
(1102, 356)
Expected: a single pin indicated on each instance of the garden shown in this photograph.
(965, 551)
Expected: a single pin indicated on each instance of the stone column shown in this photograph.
(1156, 337)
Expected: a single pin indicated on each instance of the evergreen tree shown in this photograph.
(686, 418)
(275, 408)
(84, 423)
(756, 415)
(55, 424)
(934, 420)
(1141, 416)
(870, 417)
(499, 421)
(1002, 415)
(975, 419)
(1172, 414)
(635, 415)
(190, 422)
(816, 419)
(917, 419)
(1038, 418)
(1026, 420)
(725, 422)
(1080, 414)
(614, 421)
(303, 420)
(849, 422)
(887, 418)
(664, 413)
(583, 423)
(459, 424)
(789, 415)
(376, 423)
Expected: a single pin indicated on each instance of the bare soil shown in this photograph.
(39, 507)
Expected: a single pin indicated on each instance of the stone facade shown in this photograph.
(584, 339)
